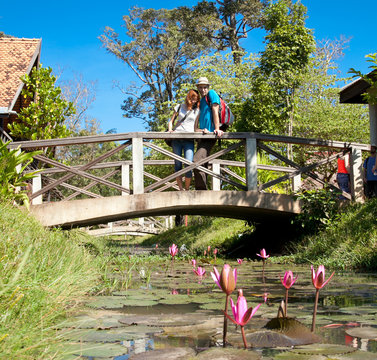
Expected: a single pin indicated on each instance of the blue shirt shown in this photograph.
(205, 119)
(368, 164)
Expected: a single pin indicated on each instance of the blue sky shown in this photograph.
(70, 30)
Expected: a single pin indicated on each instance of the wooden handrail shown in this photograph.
(164, 135)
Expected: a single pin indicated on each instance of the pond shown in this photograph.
(168, 312)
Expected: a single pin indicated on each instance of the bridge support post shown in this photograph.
(125, 171)
(356, 168)
(216, 183)
(251, 164)
(37, 185)
(373, 124)
(137, 166)
(296, 183)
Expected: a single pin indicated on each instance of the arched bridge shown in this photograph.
(132, 177)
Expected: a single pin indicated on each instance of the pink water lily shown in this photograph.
(319, 282)
(241, 313)
(240, 261)
(263, 254)
(193, 262)
(226, 281)
(200, 271)
(287, 282)
(173, 250)
(318, 278)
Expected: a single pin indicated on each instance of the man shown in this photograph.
(370, 179)
(207, 122)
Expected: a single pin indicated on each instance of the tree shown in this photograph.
(318, 111)
(81, 94)
(43, 118)
(282, 64)
(238, 18)
(162, 43)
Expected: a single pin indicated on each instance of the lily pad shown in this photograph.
(178, 353)
(297, 332)
(110, 336)
(88, 322)
(366, 332)
(227, 354)
(118, 302)
(96, 350)
(183, 319)
(323, 349)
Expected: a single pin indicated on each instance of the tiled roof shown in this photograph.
(17, 57)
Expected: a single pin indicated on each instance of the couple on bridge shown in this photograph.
(199, 113)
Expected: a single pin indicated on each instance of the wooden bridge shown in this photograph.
(133, 177)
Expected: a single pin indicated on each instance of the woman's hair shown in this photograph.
(188, 101)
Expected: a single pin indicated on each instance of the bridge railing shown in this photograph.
(135, 152)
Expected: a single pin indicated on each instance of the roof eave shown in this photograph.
(34, 62)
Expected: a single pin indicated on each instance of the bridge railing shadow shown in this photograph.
(137, 163)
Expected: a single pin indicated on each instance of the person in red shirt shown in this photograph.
(343, 177)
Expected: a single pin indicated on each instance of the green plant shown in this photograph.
(319, 209)
(12, 177)
(43, 118)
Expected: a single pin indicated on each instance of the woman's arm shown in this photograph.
(196, 124)
(171, 122)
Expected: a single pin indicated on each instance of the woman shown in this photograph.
(184, 118)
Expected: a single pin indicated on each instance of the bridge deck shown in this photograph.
(251, 205)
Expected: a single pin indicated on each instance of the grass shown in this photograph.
(43, 275)
(348, 243)
(220, 233)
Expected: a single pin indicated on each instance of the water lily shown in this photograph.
(287, 282)
(200, 271)
(226, 281)
(193, 262)
(264, 256)
(241, 314)
(173, 250)
(214, 254)
(319, 282)
(240, 261)
(265, 297)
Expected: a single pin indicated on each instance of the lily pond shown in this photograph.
(168, 312)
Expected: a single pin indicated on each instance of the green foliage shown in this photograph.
(319, 209)
(12, 177)
(370, 95)
(42, 274)
(318, 113)
(44, 118)
(161, 44)
(350, 242)
(285, 59)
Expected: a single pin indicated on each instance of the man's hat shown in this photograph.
(202, 81)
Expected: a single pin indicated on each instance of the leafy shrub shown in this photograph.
(319, 209)
(12, 177)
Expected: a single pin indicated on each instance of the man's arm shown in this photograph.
(216, 120)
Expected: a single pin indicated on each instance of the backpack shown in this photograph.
(226, 116)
